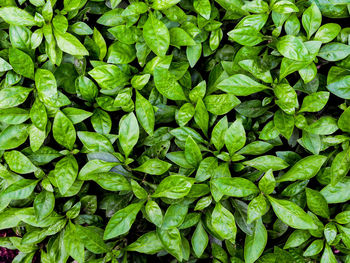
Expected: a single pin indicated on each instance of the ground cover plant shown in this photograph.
(174, 131)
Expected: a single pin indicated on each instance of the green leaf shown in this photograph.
(330, 232)
(324, 126)
(109, 76)
(343, 122)
(110, 181)
(167, 85)
(314, 248)
(156, 35)
(315, 102)
(203, 8)
(291, 214)
(284, 7)
(293, 48)
(311, 19)
(101, 121)
(174, 187)
(201, 116)
(14, 115)
(235, 137)
(328, 255)
(206, 169)
(145, 113)
(4, 65)
(292, 25)
(220, 104)
(161, 4)
(46, 85)
(148, 243)
(179, 159)
(36, 138)
(334, 51)
(95, 166)
(338, 82)
(192, 152)
(246, 36)
(174, 216)
(267, 162)
(317, 203)
(199, 240)
(72, 243)
(63, 130)
(13, 136)
(289, 66)
(340, 166)
(345, 233)
(256, 148)
(86, 88)
(154, 213)
(120, 53)
(171, 240)
(223, 222)
(8, 218)
(267, 183)
(92, 237)
(343, 217)
(121, 222)
(60, 23)
(254, 245)
(304, 169)
(21, 63)
(257, 21)
(235, 186)
(74, 211)
(76, 115)
(71, 5)
(287, 98)
(193, 54)
(16, 16)
(257, 208)
(70, 44)
(19, 163)
(81, 28)
(128, 133)
(284, 123)
(139, 81)
(66, 171)
(185, 114)
(203, 203)
(100, 43)
(138, 191)
(297, 238)
(241, 85)
(256, 69)
(337, 193)
(154, 167)
(179, 37)
(327, 32)
(13, 96)
(95, 142)
(44, 204)
(20, 190)
(38, 115)
(218, 133)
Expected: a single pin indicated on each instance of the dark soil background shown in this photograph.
(7, 255)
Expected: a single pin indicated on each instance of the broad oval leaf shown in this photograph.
(121, 221)
(291, 214)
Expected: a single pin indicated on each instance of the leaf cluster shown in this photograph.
(175, 130)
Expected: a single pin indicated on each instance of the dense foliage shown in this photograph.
(175, 130)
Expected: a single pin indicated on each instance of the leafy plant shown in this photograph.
(175, 131)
